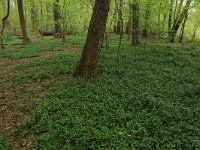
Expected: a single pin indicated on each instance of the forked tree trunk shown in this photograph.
(3, 24)
(179, 19)
(22, 22)
(135, 24)
(87, 66)
(57, 19)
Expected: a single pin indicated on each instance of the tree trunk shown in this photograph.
(159, 18)
(121, 28)
(47, 14)
(170, 16)
(22, 22)
(175, 8)
(3, 24)
(115, 18)
(64, 22)
(183, 29)
(57, 19)
(163, 26)
(118, 24)
(34, 16)
(146, 20)
(128, 27)
(179, 19)
(91, 51)
(135, 24)
(42, 16)
(129, 24)
(174, 31)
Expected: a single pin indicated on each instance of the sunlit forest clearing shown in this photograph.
(99, 74)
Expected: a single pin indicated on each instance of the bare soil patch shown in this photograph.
(19, 100)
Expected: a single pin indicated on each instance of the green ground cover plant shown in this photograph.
(4, 142)
(149, 101)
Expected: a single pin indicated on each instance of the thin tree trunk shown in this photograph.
(3, 24)
(41, 14)
(178, 20)
(159, 23)
(118, 26)
(163, 26)
(34, 16)
(129, 26)
(115, 18)
(120, 19)
(135, 23)
(57, 19)
(64, 22)
(128, 30)
(22, 22)
(146, 19)
(47, 16)
(91, 51)
(121, 29)
(183, 29)
(179, 8)
(170, 16)
(175, 8)
(118, 13)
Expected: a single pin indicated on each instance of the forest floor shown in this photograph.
(18, 96)
(151, 100)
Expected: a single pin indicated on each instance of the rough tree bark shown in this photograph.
(3, 24)
(57, 19)
(135, 23)
(22, 22)
(87, 66)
